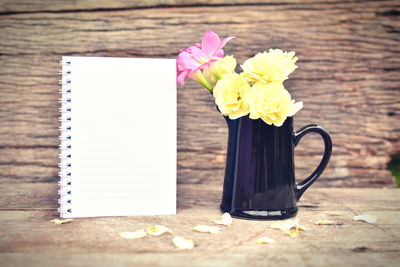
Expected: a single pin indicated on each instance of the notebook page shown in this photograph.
(123, 136)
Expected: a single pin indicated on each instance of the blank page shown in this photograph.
(118, 137)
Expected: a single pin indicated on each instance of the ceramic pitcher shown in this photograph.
(260, 175)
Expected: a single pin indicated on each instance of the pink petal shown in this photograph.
(194, 50)
(226, 40)
(186, 61)
(181, 77)
(210, 43)
(219, 53)
(200, 67)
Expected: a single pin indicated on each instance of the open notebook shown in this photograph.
(118, 137)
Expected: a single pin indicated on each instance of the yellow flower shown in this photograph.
(272, 103)
(219, 68)
(231, 94)
(272, 66)
(225, 65)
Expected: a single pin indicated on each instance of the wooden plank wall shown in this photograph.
(348, 76)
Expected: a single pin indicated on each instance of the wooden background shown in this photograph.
(348, 76)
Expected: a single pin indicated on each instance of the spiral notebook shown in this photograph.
(118, 137)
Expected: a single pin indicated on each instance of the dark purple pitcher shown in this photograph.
(259, 176)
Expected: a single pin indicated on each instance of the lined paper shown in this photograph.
(123, 136)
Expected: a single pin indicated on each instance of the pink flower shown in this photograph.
(195, 58)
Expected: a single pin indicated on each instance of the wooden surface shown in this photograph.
(348, 77)
(27, 238)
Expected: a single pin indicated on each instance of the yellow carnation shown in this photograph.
(272, 103)
(231, 94)
(272, 66)
(219, 68)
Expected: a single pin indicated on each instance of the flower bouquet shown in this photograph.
(258, 91)
(259, 176)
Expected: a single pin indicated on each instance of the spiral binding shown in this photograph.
(65, 156)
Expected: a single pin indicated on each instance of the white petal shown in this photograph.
(133, 235)
(294, 232)
(366, 218)
(295, 108)
(183, 243)
(225, 219)
(291, 227)
(157, 230)
(287, 224)
(206, 229)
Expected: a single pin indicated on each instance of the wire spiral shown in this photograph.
(65, 156)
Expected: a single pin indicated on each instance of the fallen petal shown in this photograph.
(294, 232)
(287, 224)
(301, 227)
(133, 235)
(58, 221)
(183, 243)
(324, 222)
(157, 230)
(291, 227)
(366, 218)
(265, 240)
(206, 229)
(225, 219)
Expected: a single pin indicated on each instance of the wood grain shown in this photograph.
(26, 6)
(348, 77)
(28, 238)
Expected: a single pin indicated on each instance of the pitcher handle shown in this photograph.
(301, 187)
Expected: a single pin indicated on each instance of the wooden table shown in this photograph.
(27, 238)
